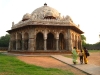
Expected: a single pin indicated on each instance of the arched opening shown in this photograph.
(61, 42)
(26, 39)
(49, 17)
(51, 45)
(39, 41)
(19, 41)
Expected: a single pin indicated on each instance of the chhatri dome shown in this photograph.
(26, 17)
(44, 31)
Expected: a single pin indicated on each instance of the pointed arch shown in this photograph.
(51, 42)
(39, 41)
(61, 42)
(26, 40)
(19, 41)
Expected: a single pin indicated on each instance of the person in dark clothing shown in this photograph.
(86, 51)
(81, 56)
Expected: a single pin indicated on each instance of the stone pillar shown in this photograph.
(22, 40)
(10, 46)
(57, 39)
(66, 42)
(45, 40)
(31, 44)
(57, 44)
(76, 44)
(69, 41)
(16, 41)
(31, 41)
(45, 44)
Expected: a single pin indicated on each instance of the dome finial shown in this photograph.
(45, 4)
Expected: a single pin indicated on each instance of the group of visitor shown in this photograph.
(82, 54)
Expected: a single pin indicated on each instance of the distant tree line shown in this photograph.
(95, 46)
(4, 40)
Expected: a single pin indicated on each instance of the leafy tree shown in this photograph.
(4, 40)
(83, 38)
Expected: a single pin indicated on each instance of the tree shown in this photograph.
(83, 38)
(4, 40)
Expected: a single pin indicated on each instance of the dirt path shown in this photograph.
(94, 58)
(49, 62)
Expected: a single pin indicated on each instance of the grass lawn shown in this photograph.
(10, 65)
(92, 51)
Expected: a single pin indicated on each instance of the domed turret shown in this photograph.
(26, 17)
(68, 18)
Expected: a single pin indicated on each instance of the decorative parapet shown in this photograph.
(52, 22)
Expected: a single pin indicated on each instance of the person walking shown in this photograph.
(85, 54)
(74, 55)
(81, 56)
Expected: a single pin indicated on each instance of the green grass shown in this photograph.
(10, 65)
(93, 51)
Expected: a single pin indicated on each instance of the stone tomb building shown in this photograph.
(44, 30)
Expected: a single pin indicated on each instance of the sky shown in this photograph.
(86, 13)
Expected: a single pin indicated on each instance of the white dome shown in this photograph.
(45, 11)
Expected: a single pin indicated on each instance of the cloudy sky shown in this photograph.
(86, 13)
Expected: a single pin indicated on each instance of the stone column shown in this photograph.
(31, 44)
(76, 44)
(57, 39)
(57, 44)
(45, 44)
(66, 42)
(69, 41)
(10, 46)
(31, 41)
(16, 41)
(45, 39)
